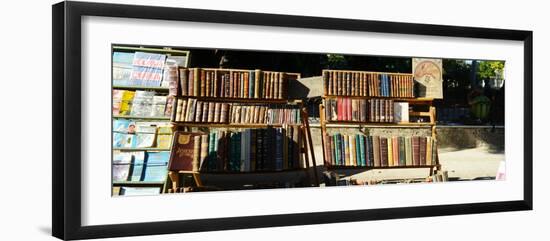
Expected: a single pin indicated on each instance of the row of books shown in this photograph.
(140, 166)
(140, 103)
(131, 134)
(228, 83)
(361, 83)
(262, 114)
(248, 150)
(378, 151)
(363, 110)
(193, 110)
(145, 69)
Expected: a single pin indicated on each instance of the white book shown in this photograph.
(401, 112)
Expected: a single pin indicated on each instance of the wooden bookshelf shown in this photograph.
(426, 102)
(304, 151)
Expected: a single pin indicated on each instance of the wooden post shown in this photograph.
(305, 118)
(174, 177)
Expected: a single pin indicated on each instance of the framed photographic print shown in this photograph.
(169, 120)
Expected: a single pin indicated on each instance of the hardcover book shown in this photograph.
(183, 151)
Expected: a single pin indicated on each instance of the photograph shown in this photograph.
(175, 120)
(188, 119)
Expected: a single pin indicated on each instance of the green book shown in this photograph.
(401, 151)
(361, 141)
(213, 144)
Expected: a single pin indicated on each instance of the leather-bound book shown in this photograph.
(183, 151)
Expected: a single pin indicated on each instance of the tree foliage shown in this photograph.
(487, 69)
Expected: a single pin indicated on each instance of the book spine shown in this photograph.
(199, 113)
(179, 109)
(376, 150)
(196, 152)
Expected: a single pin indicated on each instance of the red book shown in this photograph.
(340, 108)
(183, 151)
(416, 150)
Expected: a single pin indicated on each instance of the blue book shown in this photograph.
(160, 157)
(121, 125)
(384, 85)
(156, 167)
(123, 58)
(124, 140)
(279, 149)
(358, 150)
(389, 85)
(382, 89)
(363, 150)
(138, 163)
(139, 191)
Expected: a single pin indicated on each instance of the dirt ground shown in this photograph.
(464, 164)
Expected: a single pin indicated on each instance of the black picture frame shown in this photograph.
(66, 128)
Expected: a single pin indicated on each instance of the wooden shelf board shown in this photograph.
(376, 124)
(137, 183)
(366, 72)
(136, 87)
(381, 97)
(423, 114)
(142, 117)
(369, 168)
(202, 124)
(234, 172)
(140, 149)
(240, 100)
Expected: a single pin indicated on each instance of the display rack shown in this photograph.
(162, 90)
(427, 103)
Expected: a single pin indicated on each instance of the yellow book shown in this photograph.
(126, 102)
